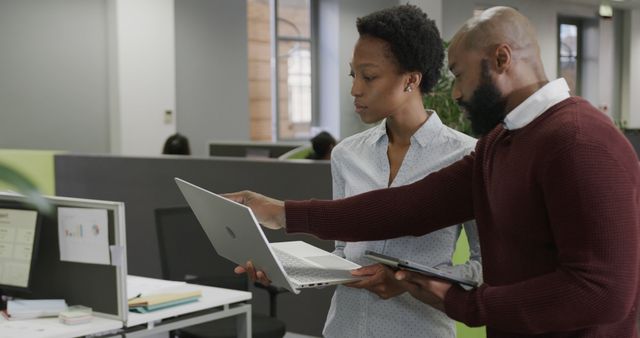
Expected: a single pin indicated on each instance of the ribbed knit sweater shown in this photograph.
(557, 205)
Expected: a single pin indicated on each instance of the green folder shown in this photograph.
(149, 308)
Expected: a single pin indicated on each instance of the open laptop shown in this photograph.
(236, 235)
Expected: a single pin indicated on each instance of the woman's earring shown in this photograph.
(408, 89)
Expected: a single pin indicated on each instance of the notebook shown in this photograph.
(236, 235)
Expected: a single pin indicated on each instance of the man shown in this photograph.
(553, 185)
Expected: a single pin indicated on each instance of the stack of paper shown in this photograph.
(76, 315)
(33, 308)
(164, 298)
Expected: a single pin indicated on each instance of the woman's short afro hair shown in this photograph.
(413, 39)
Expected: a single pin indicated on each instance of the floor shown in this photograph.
(287, 335)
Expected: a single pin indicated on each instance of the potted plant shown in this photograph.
(441, 101)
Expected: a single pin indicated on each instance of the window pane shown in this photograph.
(293, 18)
(294, 89)
(568, 55)
(568, 40)
(294, 78)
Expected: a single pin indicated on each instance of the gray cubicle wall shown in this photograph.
(145, 184)
(633, 135)
(251, 149)
(98, 286)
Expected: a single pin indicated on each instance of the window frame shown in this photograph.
(275, 68)
(564, 20)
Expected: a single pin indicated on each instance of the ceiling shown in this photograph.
(626, 4)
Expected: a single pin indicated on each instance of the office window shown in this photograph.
(290, 42)
(299, 85)
(569, 54)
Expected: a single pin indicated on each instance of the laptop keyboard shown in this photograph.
(304, 272)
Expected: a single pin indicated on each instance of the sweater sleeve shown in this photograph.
(592, 198)
(439, 200)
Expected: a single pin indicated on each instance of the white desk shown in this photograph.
(215, 303)
(52, 328)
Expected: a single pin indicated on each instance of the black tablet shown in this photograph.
(423, 269)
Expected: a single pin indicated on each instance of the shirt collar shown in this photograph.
(536, 104)
(426, 132)
(378, 132)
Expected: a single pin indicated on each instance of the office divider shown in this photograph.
(99, 286)
(250, 149)
(146, 184)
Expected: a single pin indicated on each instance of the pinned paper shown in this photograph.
(83, 235)
(117, 255)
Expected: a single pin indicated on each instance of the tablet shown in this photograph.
(423, 269)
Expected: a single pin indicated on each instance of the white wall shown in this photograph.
(350, 10)
(599, 77)
(142, 56)
(433, 8)
(53, 75)
(212, 81)
(632, 114)
(606, 67)
(66, 64)
(542, 13)
(449, 16)
(337, 36)
(590, 76)
(329, 66)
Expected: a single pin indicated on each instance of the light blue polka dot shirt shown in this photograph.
(359, 164)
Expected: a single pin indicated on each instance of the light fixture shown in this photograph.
(605, 11)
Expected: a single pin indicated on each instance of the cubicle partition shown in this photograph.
(100, 286)
(146, 184)
(251, 149)
(633, 135)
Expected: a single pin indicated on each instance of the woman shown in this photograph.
(396, 60)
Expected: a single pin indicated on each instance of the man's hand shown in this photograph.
(268, 211)
(379, 280)
(253, 274)
(427, 290)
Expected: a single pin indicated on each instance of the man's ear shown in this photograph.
(503, 58)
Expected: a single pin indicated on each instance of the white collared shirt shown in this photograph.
(536, 104)
(359, 164)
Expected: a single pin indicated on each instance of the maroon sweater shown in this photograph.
(557, 205)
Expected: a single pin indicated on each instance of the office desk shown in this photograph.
(52, 328)
(215, 303)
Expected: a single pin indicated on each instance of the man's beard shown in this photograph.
(486, 108)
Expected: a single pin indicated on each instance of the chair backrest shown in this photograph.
(299, 153)
(187, 255)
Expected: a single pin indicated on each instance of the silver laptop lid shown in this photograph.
(234, 231)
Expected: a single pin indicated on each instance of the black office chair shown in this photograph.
(187, 255)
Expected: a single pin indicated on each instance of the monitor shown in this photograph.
(19, 235)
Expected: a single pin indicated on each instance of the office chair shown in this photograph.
(298, 153)
(187, 255)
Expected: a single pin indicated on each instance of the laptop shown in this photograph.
(236, 235)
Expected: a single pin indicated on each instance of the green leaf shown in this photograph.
(441, 101)
(24, 186)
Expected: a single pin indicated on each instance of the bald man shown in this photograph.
(553, 185)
